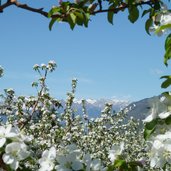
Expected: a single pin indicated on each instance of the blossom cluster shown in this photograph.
(161, 21)
(36, 135)
(13, 146)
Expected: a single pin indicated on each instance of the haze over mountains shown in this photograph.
(139, 109)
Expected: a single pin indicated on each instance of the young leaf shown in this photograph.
(168, 42)
(148, 24)
(145, 12)
(167, 82)
(167, 56)
(79, 18)
(149, 128)
(86, 19)
(110, 14)
(71, 18)
(51, 23)
(133, 14)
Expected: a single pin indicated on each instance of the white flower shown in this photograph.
(152, 116)
(8, 132)
(96, 165)
(69, 159)
(69, 162)
(15, 152)
(115, 151)
(160, 152)
(164, 115)
(47, 160)
(92, 164)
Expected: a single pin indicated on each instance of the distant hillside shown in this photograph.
(143, 107)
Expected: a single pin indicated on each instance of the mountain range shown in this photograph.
(139, 110)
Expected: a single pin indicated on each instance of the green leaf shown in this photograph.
(54, 11)
(145, 12)
(133, 14)
(79, 18)
(111, 168)
(120, 164)
(149, 128)
(86, 19)
(167, 55)
(134, 164)
(148, 24)
(110, 14)
(163, 27)
(168, 42)
(168, 120)
(71, 18)
(34, 84)
(147, 133)
(157, 5)
(167, 82)
(53, 20)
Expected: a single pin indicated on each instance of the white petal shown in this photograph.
(45, 154)
(153, 162)
(46, 166)
(77, 165)
(148, 118)
(121, 147)
(164, 115)
(23, 154)
(96, 165)
(168, 147)
(2, 131)
(71, 157)
(62, 168)
(14, 146)
(52, 153)
(8, 159)
(2, 141)
(112, 156)
(14, 165)
(61, 160)
(157, 144)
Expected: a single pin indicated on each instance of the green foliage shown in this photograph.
(150, 128)
(168, 120)
(122, 165)
(167, 55)
(148, 24)
(71, 13)
(133, 13)
(110, 14)
(167, 82)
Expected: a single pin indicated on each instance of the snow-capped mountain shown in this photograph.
(95, 106)
(139, 110)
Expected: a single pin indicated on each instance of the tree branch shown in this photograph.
(122, 7)
(5, 5)
(23, 6)
(26, 7)
(44, 13)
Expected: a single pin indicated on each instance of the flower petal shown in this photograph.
(2, 142)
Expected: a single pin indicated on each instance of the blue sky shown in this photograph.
(119, 61)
